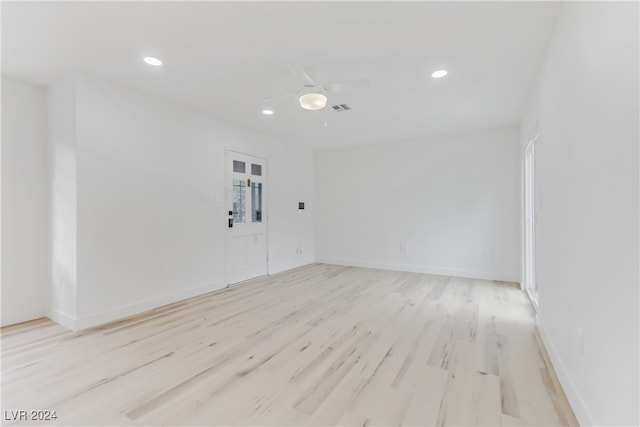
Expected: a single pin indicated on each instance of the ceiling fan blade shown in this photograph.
(300, 74)
(284, 95)
(346, 85)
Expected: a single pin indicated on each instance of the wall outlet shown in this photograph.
(299, 250)
(404, 248)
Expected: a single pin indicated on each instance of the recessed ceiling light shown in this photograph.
(267, 111)
(438, 74)
(152, 61)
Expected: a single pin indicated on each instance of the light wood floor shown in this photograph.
(320, 345)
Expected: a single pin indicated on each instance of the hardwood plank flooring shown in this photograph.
(319, 345)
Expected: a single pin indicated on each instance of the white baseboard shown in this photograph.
(62, 319)
(13, 317)
(84, 322)
(575, 400)
(471, 274)
(139, 307)
(286, 267)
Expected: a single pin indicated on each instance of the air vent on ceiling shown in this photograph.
(341, 107)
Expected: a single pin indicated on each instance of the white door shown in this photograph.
(246, 236)
(530, 223)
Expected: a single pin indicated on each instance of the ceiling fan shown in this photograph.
(313, 96)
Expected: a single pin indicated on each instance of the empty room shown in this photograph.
(320, 213)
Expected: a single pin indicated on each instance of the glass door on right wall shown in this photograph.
(530, 221)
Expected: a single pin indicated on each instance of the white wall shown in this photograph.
(24, 202)
(586, 107)
(62, 195)
(292, 180)
(453, 200)
(149, 201)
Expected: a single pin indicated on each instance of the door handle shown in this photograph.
(230, 222)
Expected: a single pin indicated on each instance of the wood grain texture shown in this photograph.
(318, 345)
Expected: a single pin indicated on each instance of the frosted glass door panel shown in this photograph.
(239, 205)
(256, 202)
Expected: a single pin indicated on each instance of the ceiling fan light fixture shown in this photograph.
(313, 101)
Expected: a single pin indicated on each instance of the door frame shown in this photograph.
(265, 211)
(529, 211)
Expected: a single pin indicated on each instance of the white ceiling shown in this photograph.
(226, 58)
